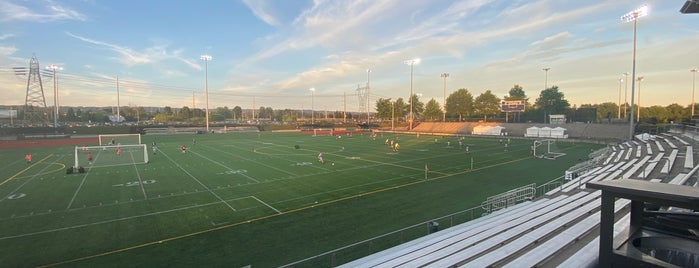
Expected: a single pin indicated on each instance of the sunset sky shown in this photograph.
(273, 52)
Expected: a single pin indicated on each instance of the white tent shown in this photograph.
(545, 132)
(644, 137)
(532, 132)
(559, 132)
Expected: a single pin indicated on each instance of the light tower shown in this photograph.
(638, 108)
(694, 76)
(633, 16)
(53, 68)
(206, 59)
(411, 62)
(618, 114)
(626, 85)
(445, 75)
(546, 77)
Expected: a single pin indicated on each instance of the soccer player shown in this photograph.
(118, 151)
(320, 158)
(155, 148)
(184, 149)
(396, 146)
(89, 157)
(28, 157)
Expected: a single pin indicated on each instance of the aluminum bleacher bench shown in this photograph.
(660, 146)
(635, 168)
(532, 236)
(638, 151)
(680, 140)
(609, 159)
(462, 251)
(587, 256)
(430, 243)
(689, 158)
(670, 162)
(618, 156)
(651, 165)
(564, 238)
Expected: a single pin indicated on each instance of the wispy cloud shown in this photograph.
(132, 57)
(48, 12)
(6, 36)
(261, 10)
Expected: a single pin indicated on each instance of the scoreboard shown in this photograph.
(513, 106)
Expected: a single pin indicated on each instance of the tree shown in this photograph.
(237, 113)
(460, 103)
(225, 112)
(552, 101)
(418, 107)
(167, 110)
(185, 113)
(401, 108)
(605, 111)
(487, 104)
(676, 113)
(383, 108)
(433, 111)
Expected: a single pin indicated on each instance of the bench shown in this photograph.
(689, 158)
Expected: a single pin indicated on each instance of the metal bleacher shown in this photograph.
(559, 229)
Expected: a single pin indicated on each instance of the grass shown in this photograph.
(247, 198)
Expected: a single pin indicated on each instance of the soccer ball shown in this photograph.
(333, 164)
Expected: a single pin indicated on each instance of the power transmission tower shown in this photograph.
(35, 110)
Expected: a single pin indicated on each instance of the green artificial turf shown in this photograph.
(251, 199)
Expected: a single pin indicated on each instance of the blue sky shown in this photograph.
(272, 52)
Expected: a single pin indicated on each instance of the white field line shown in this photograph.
(258, 200)
(140, 181)
(256, 162)
(82, 182)
(30, 179)
(224, 166)
(197, 180)
(112, 220)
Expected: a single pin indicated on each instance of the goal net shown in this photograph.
(119, 139)
(550, 152)
(110, 155)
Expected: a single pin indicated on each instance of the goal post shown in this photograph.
(110, 155)
(115, 139)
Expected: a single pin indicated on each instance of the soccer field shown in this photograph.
(260, 199)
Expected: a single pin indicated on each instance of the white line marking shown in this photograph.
(258, 200)
(140, 181)
(200, 183)
(230, 169)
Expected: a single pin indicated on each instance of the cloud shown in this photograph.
(261, 10)
(7, 50)
(150, 55)
(49, 13)
(6, 36)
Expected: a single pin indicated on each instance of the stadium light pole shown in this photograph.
(626, 85)
(206, 59)
(411, 62)
(638, 108)
(694, 76)
(53, 68)
(628, 17)
(313, 90)
(368, 93)
(546, 79)
(618, 113)
(445, 75)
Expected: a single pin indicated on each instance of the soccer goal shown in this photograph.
(110, 155)
(119, 139)
(551, 152)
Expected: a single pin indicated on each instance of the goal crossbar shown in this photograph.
(114, 139)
